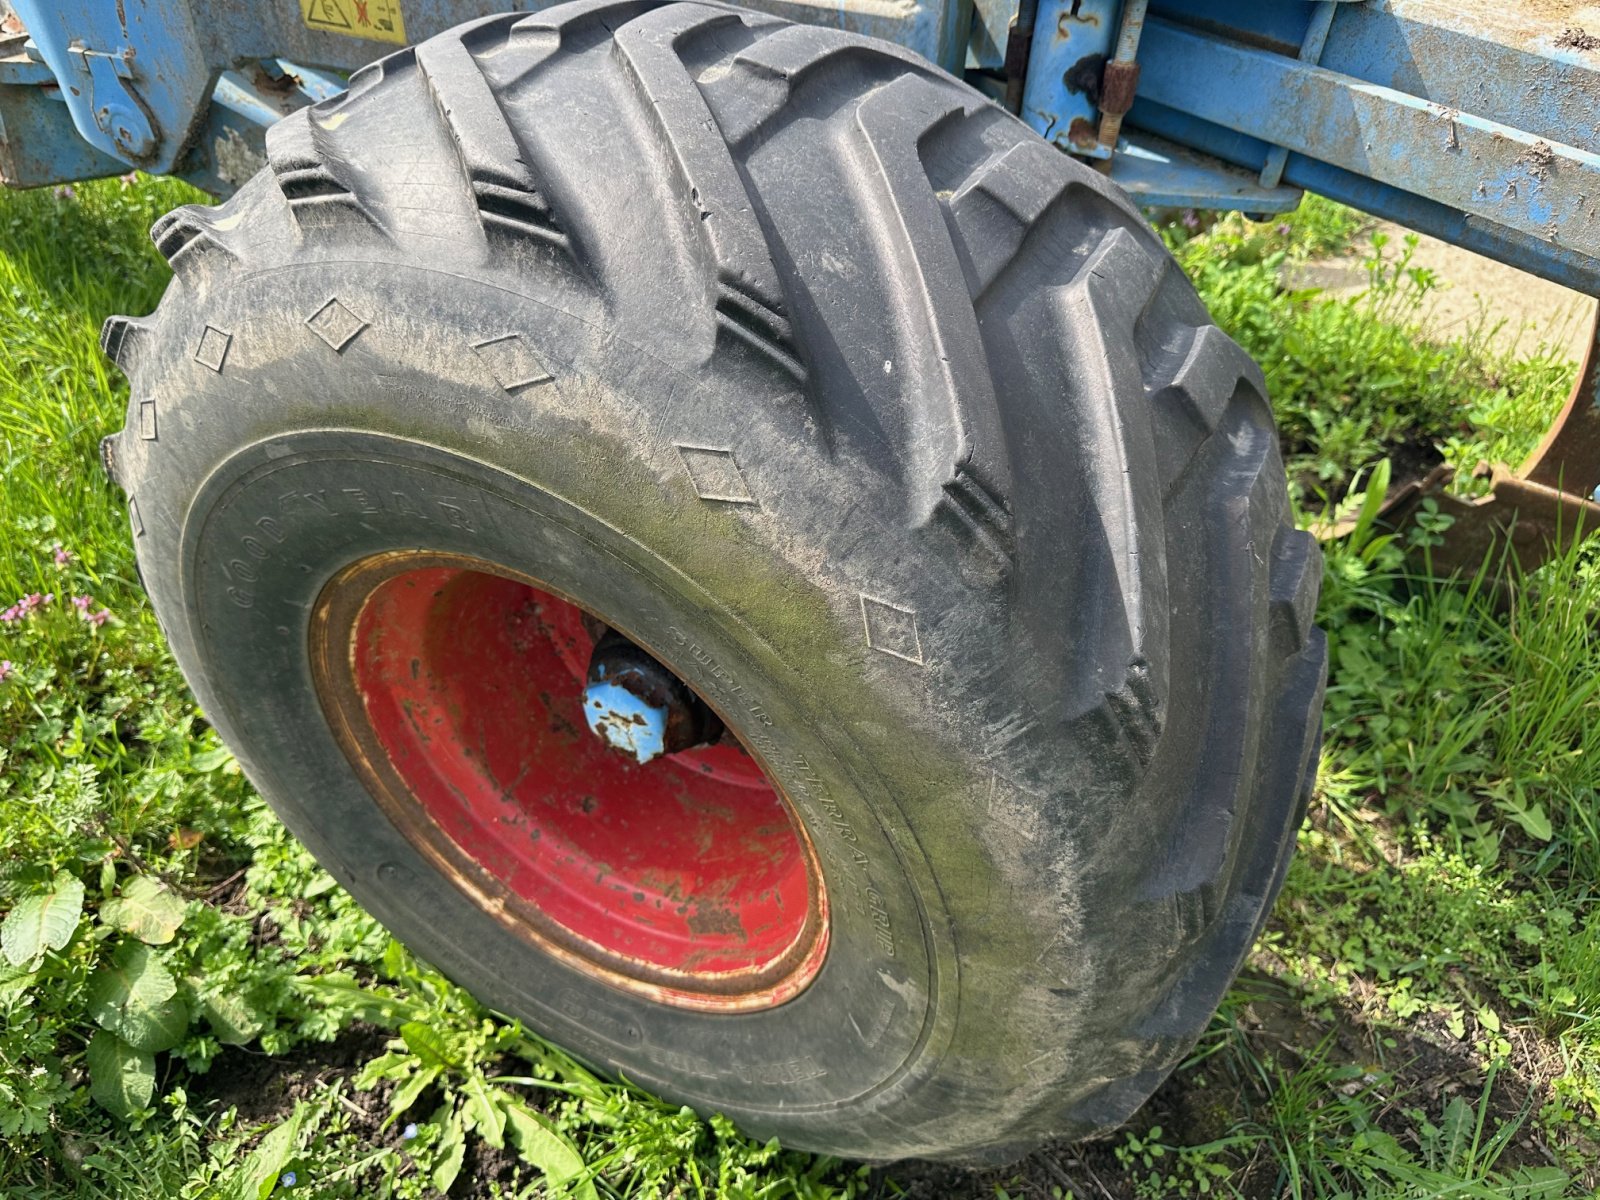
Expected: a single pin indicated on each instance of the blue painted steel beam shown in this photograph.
(1310, 52)
(939, 30)
(131, 73)
(1550, 260)
(138, 76)
(1486, 168)
(38, 143)
(991, 29)
(232, 144)
(1502, 61)
(1159, 174)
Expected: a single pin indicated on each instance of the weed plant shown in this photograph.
(1355, 380)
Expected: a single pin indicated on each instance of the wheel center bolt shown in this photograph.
(638, 707)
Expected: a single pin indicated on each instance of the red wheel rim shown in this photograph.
(456, 689)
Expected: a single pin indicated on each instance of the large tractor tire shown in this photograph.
(746, 558)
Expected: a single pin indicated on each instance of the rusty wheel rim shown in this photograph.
(455, 687)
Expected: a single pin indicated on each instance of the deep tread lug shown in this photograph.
(109, 447)
(708, 176)
(187, 238)
(505, 193)
(120, 340)
(316, 189)
(1296, 575)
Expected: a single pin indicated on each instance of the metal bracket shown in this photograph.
(118, 111)
(1534, 513)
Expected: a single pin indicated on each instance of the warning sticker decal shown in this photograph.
(379, 20)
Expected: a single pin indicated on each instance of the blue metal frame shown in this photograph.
(97, 86)
(1476, 123)
(1522, 179)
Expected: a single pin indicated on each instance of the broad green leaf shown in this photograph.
(257, 1177)
(121, 1078)
(135, 997)
(406, 1094)
(482, 1113)
(1455, 1136)
(452, 1150)
(392, 1064)
(14, 979)
(1539, 1183)
(210, 760)
(1535, 822)
(233, 1021)
(545, 1147)
(146, 909)
(339, 992)
(395, 960)
(427, 1045)
(42, 922)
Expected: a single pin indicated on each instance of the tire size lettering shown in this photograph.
(881, 929)
(810, 785)
(573, 1005)
(733, 690)
(241, 569)
(451, 511)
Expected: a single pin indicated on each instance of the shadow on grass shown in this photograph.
(1283, 1097)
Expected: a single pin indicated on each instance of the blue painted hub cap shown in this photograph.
(640, 708)
(624, 721)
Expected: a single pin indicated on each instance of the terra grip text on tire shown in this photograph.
(745, 557)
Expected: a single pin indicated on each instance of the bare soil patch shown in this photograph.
(1479, 298)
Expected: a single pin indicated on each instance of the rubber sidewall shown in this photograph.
(278, 520)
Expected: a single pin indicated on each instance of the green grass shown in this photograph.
(193, 1009)
(1354, 379)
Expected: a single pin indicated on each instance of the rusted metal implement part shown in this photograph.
(1121, 79)
(1531, 522)
(1019, 46)
(457, 690)
(1072, 42)
(1569, 456)
(1534, 513)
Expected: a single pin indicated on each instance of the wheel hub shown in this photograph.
(659, 855)
(638, 707)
